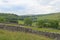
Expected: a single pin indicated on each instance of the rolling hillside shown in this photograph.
(53, 16)
(44, 16)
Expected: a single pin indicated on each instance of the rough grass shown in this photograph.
(8, 35)
(20, 22)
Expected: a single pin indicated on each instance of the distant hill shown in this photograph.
(9, 17)
(53, 16)
(13, 17)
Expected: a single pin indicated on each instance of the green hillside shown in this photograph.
(7, 17)
(53, 16)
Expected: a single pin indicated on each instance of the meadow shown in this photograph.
(9, 35)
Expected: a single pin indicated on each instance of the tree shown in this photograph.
(48, 23)
(54, 24)
(2, 19)
(40, 23)
(28, 21)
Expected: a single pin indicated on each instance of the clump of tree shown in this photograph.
(48, 23)
(2, 19)
(40, 23)
(28, 21)
(9, 18)
(54, 23)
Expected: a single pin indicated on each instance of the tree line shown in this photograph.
(8, 18)
(46, 23)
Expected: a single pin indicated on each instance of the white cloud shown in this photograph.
(30, 6)
(54, 1)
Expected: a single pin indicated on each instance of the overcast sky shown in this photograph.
(22, 7)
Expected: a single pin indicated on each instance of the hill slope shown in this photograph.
(53, 16)
(14, 17)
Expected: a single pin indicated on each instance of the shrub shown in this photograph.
(28, 21)
(48, 23)
(2, 19)
(40, 23)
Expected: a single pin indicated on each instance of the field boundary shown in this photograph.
(22, 29)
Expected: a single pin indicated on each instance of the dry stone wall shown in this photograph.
(22, 29)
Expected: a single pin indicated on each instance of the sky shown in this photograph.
(29, 7)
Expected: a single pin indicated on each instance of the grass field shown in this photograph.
(8, 35)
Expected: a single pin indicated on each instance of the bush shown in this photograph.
(54, 24)
(48, 23)
(28, 21)
(40, 23)
(2, 20)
